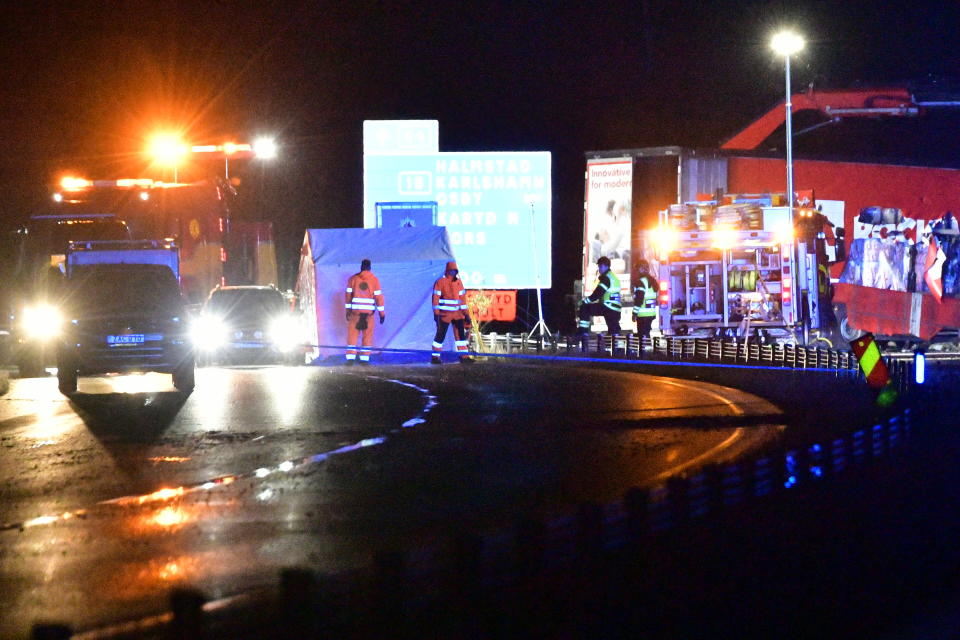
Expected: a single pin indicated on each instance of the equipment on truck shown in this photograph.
(123, 311)
(737, 268)
(901, 289)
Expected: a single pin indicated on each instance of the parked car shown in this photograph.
(124, 317)
(249, 325)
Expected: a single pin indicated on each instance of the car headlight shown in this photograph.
(208, 332)
(42, 321)
(285, 333)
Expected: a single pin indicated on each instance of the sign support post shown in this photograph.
(541, 326)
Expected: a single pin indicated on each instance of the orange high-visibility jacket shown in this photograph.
(449, 298)
(363, 294)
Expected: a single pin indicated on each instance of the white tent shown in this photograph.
(406, 260)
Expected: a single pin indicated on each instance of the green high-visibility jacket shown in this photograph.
(607, 291)
(645, 298)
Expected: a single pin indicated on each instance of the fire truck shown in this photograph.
(740, 268)
(215, 249)
(838, 193)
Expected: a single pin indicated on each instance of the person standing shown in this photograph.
(604, 301)
(363, 297)
(450, 307)
(644, 299)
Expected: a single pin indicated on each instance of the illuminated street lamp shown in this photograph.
(787, 43)
(168, 150)
(265, 148)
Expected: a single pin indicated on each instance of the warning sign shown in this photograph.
(489, 305)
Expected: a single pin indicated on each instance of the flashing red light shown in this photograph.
(664, 293)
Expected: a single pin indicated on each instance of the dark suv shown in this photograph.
(124, 317)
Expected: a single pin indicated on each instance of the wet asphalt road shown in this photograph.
(129, 488)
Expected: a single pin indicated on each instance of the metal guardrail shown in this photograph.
(732, 350)
(452, 575)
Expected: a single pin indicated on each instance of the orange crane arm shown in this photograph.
(895, 101)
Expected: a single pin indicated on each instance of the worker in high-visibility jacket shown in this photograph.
(450, 308)
(604, 301)
(363, 297)
(644, 299)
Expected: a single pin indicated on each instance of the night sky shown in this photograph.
(84, 83)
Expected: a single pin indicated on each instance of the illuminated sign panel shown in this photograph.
(496, 207)
(393, 137)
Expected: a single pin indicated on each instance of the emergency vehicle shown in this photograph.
(739, 268)
(138, 322)
(645, 182)
(215, 248)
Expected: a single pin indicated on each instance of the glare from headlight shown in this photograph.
(42, 322)
(285, 333)
(208, 332)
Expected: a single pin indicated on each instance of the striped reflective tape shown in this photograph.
(871, 362)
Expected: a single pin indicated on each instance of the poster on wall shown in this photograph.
(606, 225)
(607, 214)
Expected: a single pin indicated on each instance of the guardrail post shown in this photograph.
(878, 441)
(298, 603)
(187, 607)
(763, 477)
(839, 455)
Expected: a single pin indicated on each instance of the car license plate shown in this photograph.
(127, 338)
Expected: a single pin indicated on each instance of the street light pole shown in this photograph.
(789, 132)
(787, 43)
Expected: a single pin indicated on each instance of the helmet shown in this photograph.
(604, 260)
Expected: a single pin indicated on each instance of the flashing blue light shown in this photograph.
(920, 367)
(790, 483)
(817, 472)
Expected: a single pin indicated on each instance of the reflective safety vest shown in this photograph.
(363, 294)
(609, 286)
(644, 298)
(449, 299)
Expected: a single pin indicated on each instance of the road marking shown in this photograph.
(167, 493)
(738, 432)
(698, 389)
